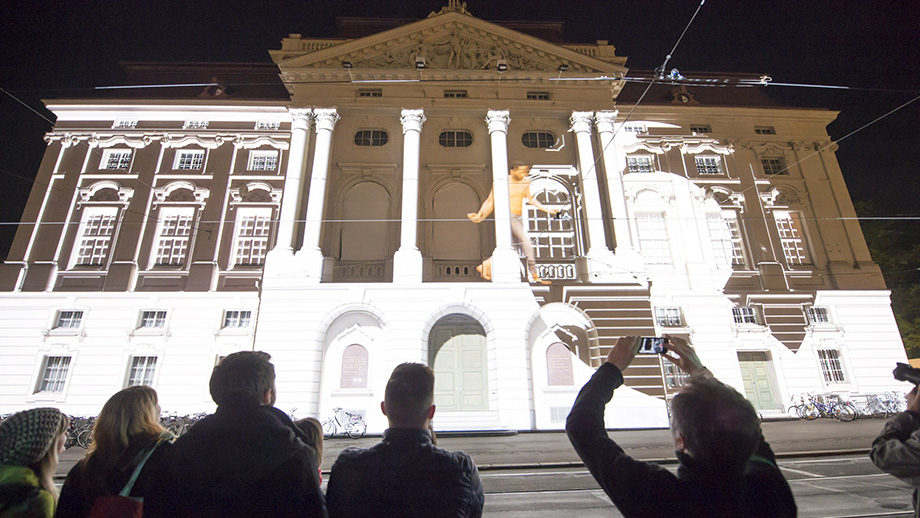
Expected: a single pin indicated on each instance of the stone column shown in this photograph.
(506, 263)
(605, 129)
(293, 180)
(600, 258)
(407, 262)
(310, 254)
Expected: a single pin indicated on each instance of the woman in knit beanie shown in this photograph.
(30, 442)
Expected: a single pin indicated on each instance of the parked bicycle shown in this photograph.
(832, 406)
(350, 423)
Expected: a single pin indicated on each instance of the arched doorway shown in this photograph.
(457, 354)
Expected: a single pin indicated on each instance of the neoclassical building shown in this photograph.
(317, 209)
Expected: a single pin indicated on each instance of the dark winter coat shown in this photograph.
(90, 479)
(242, 461)
(405, 476)
(897, 451)
(645, 489)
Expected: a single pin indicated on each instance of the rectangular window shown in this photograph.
(744, 315)
(831, 367)
(772, 166)
(456, 94)
(195, 124)
(116, 159)
(54, 374)
(635, 128)
(175, 228)
(189, 160)
(701, 128)
(142, 369)
(252, 229)
(764, 130)
(817, 315)
(96, 232)
(237, 318)
(537, 96)
(124, 123)
(668, 317)
(639, 164)
(266, 125)
(69, 319)
(263, 160)
(792, 237)
(370, 92)
(153, 319)
(723, 246)
(674, 377)
(708, 165)
(653, 238)
(730, 217)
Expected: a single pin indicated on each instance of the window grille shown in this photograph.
(116, 159)
(708, 165)
(153, 319)
(172, 246)
(371, 138)
(190, 160)
(54, 374)
(538, 96)
(792, 238)
(237, 318)
(455, 138)
(264, 125)
(263, 160)
(123, 124)
(196, 124)
(674, 378)
(635, 128)
(817, 315)
(744, 315)
(252, 237)
(456, 94)
(765, 130)
(668, 317)
(553, 238)
(653, 238)
(142, 369)
(370, 92)
(538, 139)
(639, 164)
(69, 319)
(831, 367)
(773, 166)
(701, 128)
(95, 238)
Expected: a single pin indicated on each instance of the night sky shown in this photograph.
(54, 50)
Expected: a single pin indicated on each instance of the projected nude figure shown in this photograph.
(519, 190)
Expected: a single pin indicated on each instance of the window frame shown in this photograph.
(773, 169)
(764, 130)
(833, 370)
(95, 219)
(451, 136)
(534, 139)
(538, 96)
(634, 165)
(59, 382)
(261, 232)
(189, 160)
(665, 316)
(75, 320)
(656, 223)
(196, 124)
(148, 371)
(746, 316)
(237, 317)
(818, 315)
(154, 316)
(267, 125)
(370, 92)
(124, 124)
(793, 238)
(121, 157)
(260, 159)
(456, 94)
(701, 129)
(371, 137)
(709, 165)
(173, 219)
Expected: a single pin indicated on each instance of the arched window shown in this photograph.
(559, 366)
(354, 367)
(371, 137)
(455, 138)
(538, 139)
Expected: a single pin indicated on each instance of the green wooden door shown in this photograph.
(755, 375)
(458, 357)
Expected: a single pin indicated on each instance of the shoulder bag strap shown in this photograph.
(126, 491)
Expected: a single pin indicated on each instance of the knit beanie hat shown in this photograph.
(25, 437)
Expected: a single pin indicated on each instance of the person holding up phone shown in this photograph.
(726, 467)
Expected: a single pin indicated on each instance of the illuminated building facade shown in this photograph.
(323, 217)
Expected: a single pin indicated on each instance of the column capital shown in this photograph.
(604, 120)
(581, 121)
(498, 120)
(300, 118)
(325, 118)
(412, 120)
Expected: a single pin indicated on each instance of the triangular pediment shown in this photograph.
(449, 41)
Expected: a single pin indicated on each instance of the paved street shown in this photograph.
(538, 474)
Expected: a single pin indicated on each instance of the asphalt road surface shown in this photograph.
(537, 475)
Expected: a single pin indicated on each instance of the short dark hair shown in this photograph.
(516, 164)
(242, 378)
(409, 394)
(720, 428)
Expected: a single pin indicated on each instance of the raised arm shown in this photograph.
(487, 207)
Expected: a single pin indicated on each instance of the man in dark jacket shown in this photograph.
(897, 449)
(405, 475)
(245, 460)
(726, 468)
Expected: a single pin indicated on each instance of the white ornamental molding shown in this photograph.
(768, 149)
(117, 194)
(581, 122)
(211, 142)
(198, 194)
(325, 118)
(781, 198)
(713, 146)
(725, 196)
(412, 120)
(655, 147)
(604, 120)
(648, 196)
(498, 120)
(238, 194)
(241, 142)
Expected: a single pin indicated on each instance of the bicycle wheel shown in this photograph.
(328, 428)
(810, 412)
(355, 429)
(846, 412)
(85, 438)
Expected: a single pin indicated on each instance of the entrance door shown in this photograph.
(457, 354)
(755, 374)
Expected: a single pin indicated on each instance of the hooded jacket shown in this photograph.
(897, 451)
(242, 461)
(21, 496)
(404, 476)
(645, 489)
